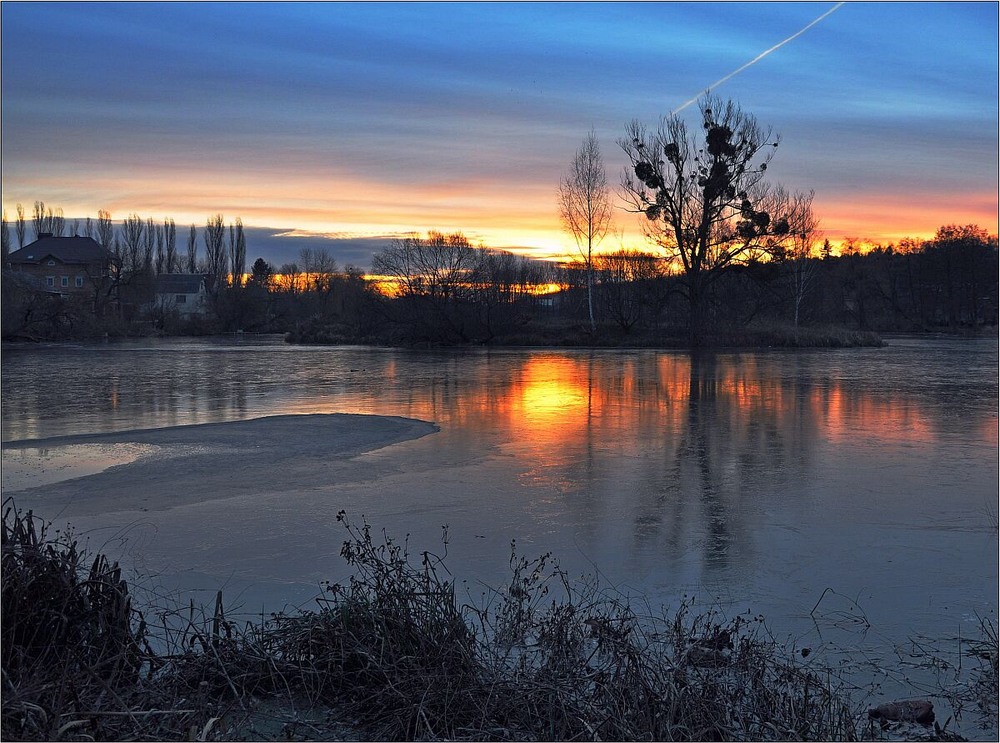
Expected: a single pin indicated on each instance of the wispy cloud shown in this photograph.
(362, 120)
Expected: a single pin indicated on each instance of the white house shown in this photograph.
(185, 293)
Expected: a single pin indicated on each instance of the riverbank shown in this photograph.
(392, 655)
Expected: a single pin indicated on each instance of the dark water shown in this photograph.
(849, 495)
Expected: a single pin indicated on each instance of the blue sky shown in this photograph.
(363, 121)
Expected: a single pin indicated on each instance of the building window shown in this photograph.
(64, 281)
(51, 262)
(180, 299)
(50, 281)
(79, 282)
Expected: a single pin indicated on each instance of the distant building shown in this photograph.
(184, 293)
(63, 265)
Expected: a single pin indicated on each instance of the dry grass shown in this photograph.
(394, 655)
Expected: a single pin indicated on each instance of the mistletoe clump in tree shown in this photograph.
(704, 197)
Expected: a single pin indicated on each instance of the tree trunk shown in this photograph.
(590, 293)
(696, 319)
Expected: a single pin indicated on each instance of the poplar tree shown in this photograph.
(215, 250)
(192, 250)
(585, 207)
(19, 225)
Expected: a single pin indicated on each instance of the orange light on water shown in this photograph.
(549, 396)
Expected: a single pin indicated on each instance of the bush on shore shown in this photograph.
(394, 655)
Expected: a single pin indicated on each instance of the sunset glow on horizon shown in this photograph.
(352, 124)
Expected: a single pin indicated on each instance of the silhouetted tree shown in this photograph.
(320, 269)
(237, 252)
(795, 251)
(105, 229)
(148, 245)
(215, 251)
(626, 278)
(502, 283)
(192, 251)
(585, 207)
(161, 251)
(432, 278)
(19, 225)
(261, 274)
(962, 257)
(132, 231)
(703, 195)
(4, 238)
(41, 221)
(45, 220)
(170, 238)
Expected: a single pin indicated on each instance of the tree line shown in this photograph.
(729, 252)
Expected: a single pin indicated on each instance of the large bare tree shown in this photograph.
(585, 207)
(704, 195)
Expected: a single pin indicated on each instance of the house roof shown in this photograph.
(78, 250)
(179, 283)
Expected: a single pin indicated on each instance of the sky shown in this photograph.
(344, 125)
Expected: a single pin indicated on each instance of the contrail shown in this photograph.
(759, 57)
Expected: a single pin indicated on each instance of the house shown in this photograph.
(64, 265)
(185, 293)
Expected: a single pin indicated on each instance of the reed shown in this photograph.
(395, 654)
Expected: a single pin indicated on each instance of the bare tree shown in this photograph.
(627, 284)
(289, 278)
(4, 238)
(105, 228)
(192, 250)
(237, 252)
(796, 250)
(170, 238)
(88, 228)
(215, 250)
(132, 235)
(585, 207)
(436, 267)
(702, 194)
(40, 221)
(161, 252)
(58, 222)
(432, 276)
(19, 225)
(148, 244)
(45, 220)
(319, 268)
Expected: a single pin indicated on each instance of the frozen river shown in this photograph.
(850, 496)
